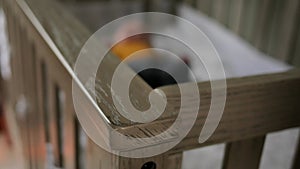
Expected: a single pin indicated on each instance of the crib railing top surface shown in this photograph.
(255, 105)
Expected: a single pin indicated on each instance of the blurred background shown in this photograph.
(251, 36)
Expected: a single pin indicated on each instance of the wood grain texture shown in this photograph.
(263, 86)
(58, 77)
(175, 161)
(69, 35)
(99, 158)
(244, 154)
(255, 106)
(34, 51)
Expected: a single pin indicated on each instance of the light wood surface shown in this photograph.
(255, 105)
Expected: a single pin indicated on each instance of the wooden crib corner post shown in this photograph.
(101, 159)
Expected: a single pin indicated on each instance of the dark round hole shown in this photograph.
(149, 165)
(157, 78)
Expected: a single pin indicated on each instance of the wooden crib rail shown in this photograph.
(255, 106)
(45, 40)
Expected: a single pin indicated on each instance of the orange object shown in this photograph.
(128, 47)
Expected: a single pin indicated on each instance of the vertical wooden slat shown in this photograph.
(283, 29)
(220, 10)
(29, 84)
(69, 128)
(42, 107)
(56, 109)
(261, 21)
(267, 28)
(21, 100)
(16, 59)
(53, 122)
(277, 13)
(59, 117)
(192, 3)
(235, 13)
(10, 26)
(174, 5)
(97, 157)
(16, 82)
(81, 140)
(205, 6)
(147, 5)
(244, 154)
(288, 33)
(60, 108)
(247, 24)
(295, 53)
(296, 161)
(175, 161)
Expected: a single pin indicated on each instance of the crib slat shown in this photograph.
(193, 3)
(283, 29)
(296, 163)
(20, 97)
(260, 23)
(175, 161)
(62, 127)
(205, 6)
(42, 96)
(53, 121)
(264, 39)
(249, 13)
(244, 154)
(235, 13)
(296, 52)
(69, 129)
(28, 57)
(11, 40)
(294, 57)
(220, 10)
(16, 81)
(18, 65)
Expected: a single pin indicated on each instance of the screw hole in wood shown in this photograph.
(149, 165)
